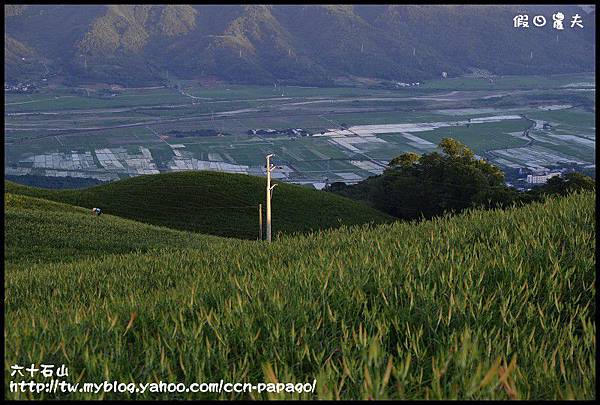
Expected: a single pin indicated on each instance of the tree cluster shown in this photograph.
(424, 186)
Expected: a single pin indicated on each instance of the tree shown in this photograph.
(455, 149)
(404, 160)
(449, 181)
(414, 186)
(436, 183)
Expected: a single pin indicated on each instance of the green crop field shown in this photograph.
(61, 232)
(231, 91)
(482, 137)
(572, 117)
(80, 102)
(510, 82)
(484, 305)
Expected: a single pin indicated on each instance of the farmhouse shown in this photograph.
(540, 178)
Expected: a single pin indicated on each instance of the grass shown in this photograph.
(213, 203)
(519, 82)
(42, 231)
(484, 305)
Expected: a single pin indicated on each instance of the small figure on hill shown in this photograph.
(96, 211)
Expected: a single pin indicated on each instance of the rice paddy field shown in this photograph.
(484, 305)
(187, 126)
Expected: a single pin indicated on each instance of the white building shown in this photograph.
(540, 178)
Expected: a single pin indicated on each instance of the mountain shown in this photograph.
(485, 305)
(213, 203)
(313, 44)
(20, 60)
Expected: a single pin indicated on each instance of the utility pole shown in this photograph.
(260, 232)
(270, 188)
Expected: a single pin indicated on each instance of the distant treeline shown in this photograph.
(54, 182)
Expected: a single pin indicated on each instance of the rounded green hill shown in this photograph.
(214, 203)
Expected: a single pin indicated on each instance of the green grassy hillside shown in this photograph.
(213, 203)
(43, 231)
(487, 304)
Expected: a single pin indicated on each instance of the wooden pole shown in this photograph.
(260, 231)
(269, 198)
(269, 195)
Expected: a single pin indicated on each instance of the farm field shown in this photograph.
(77, 234)
(320, 135)
(393, 311)
(515, 82)
(484, 137)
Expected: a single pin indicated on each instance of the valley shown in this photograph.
(319, 135)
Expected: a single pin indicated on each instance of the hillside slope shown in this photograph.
(314, 44)
(213, 203)
(42, 231)
(488, 304)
